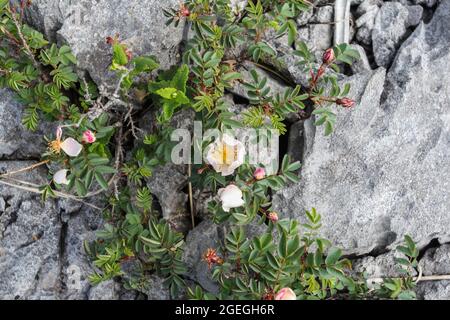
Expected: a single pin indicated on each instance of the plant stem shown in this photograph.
(27, 48)
(191, 198)
(29, 168)
(57, 193)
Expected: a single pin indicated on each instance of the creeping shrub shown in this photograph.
(95, 126)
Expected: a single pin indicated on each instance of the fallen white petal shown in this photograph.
(60, 177)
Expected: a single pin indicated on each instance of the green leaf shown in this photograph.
(145, 64)
(292, 32)
(333, 256)
(101, 181)
(119, 54)
(168, 93)
(105, 170)
(180, 78)
(293, 246)
(231, 123)
(168, 110)
(80, 187)
(65, 55)
(96, 160)
(328, 128)
(282, 246)
(3, 4)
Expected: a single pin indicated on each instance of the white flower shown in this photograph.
(70, 146)
(60, 177)
(231, 197)
(226, 155)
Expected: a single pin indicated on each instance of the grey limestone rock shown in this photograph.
(384, 172)
(436, 262)
(390, 28)
(16, 142)
(139, 24)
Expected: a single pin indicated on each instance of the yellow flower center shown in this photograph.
(225, 154)
(55, 146)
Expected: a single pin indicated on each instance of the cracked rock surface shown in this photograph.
(85, 24)
(14, 138)
(41, 243)
(29, 243)
(138, 24)
(384, 172)
(436, 262)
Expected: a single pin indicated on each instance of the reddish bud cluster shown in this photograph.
(346, 102)
(273, 216)
(25, 4)
(211, 258)
(112, 40)
(268, 295)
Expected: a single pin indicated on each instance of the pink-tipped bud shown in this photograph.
(328, 56)
(59, 133)
(88, 137)
(346, 102)
(185, 12)
(286, 294)
(273, 216)
(259, 174)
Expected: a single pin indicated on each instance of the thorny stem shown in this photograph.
(87, 94)
(114, 100)
(11, 37)
(27, 48)
(316, 77)
(117, 163)
(29, 168)
(129, 117)
(419, 278)
(327, 99)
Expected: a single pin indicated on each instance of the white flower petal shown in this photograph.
(231, 197)
(60, 177)
(71, 147)
(227, 171)
(229, 140)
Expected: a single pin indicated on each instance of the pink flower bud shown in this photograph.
(259, 174)
(328, 56)
(273, 216)
(59, 133)
(345, 102)
(88, 137)
(286, 294)
(185, 12)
